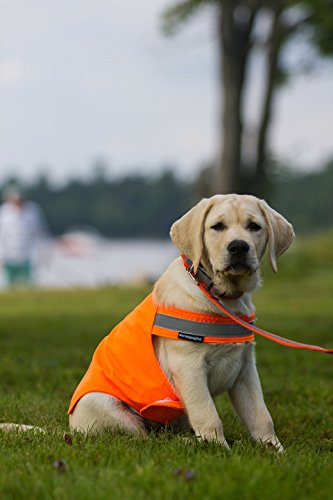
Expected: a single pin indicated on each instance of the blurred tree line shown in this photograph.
(146, 205)
(136, 205)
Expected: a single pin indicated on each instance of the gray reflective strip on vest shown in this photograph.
(203, 329)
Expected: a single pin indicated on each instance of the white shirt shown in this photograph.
(20, 230)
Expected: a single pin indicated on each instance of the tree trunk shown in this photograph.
(259, 180)
(234, 44)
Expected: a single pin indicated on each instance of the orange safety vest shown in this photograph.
(124, 364)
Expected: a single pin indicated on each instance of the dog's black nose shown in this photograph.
(238, 247)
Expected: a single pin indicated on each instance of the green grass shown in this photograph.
(47, 339)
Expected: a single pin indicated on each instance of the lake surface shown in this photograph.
(103, 262)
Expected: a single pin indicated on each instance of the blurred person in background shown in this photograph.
(22, 228)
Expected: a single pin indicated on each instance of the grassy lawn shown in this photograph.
(47, 339)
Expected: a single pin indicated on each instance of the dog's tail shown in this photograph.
(20, 427)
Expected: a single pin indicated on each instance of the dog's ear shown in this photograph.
(187, 232)
(280, 233)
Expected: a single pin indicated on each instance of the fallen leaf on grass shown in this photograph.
(188, 475)
(68, 439)
(60, 466)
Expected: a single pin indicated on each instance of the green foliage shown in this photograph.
(305, 198)
(317, 14)
(46, 343)
(321, 21)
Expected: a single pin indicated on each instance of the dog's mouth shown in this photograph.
(238, 269)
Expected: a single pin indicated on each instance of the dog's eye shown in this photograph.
(253, 226)
(219, 226)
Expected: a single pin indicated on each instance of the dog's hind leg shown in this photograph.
(97, 411)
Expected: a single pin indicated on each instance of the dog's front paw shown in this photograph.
(213, 437)
(273, 443)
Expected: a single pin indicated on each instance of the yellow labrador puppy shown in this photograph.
(228, 235)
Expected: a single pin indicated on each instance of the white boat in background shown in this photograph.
(86, 259)
(78, 242)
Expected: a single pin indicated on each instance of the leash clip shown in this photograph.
(190, 271)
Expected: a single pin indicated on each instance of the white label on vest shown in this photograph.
(189, 336)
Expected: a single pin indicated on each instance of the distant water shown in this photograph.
(104, 262)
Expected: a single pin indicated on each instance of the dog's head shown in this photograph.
(229, 234)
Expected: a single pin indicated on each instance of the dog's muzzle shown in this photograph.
(238, 258)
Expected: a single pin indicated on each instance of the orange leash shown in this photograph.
(206, 286)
